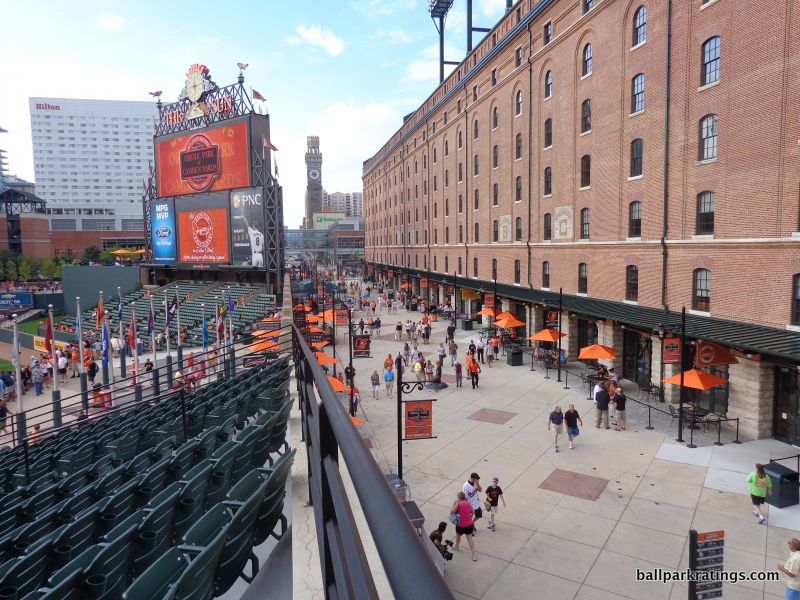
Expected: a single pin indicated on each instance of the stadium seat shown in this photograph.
(218, 485)
(193, 496)
(244, 454)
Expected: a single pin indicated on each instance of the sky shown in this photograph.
(345, 70)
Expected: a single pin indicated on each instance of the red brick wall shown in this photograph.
(756, 177)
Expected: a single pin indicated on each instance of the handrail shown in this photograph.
(126, 395)
(327, 431)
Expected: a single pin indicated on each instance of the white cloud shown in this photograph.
(384, 8)
(110, 21)
(318, 37)
(493, 8)
(426, 67)
(392, 36)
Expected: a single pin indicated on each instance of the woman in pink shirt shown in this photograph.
(466, 520)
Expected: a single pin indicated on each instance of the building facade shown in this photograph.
(637, 159)
(352, 204)
(313, 180)
(90, 158)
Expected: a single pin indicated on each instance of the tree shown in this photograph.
(49, 269)
(91, 253)
(25, 271)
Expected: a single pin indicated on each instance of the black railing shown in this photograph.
(712, 419)
(150, 386)
(346, 574)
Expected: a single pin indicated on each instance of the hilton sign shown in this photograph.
(46, 106)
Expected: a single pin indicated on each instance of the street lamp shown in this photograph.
(403, 387)
(662, 330)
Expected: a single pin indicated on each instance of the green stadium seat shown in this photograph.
(81, 457)
(156, 530)
(193, 496)
(278, 436)
(219, 484)
(116, 507)
(183, 460)
(271, 511)
(123, 448)
(155, 479)
(244, 453)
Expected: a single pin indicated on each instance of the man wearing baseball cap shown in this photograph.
(494, 493)
(471, 490)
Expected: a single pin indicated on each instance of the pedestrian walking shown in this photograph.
(555, 423)
(465, 522)
(388, 380)
(441, 352)
(572, 418)
(791, 570)
(453, 349)
(619, 401)
(474, 372)
(760, 488)
(37, 377)
(480, 347)
(472, 489)
(451, 330)
(602, 401)
(388, 362)
(489, 354)
(472, 348)
(375, 379)
(398, 331)
(419, 369)
(459, 373)
(494, 493)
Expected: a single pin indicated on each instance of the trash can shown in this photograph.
(514, 358)
(785, 484)
(400, 488)
(412, 306)
(466, 324)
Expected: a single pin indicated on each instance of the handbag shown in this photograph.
(455, 518)
(487, 505)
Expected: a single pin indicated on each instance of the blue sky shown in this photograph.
(346, 70)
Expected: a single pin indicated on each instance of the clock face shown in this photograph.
(194, 86)
(313, 174)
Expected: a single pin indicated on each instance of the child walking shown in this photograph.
(760, 488)
(494, 493)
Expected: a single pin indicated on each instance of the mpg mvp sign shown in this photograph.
(162, 235)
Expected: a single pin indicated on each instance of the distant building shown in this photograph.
(313, 180)
(351, 204)
(90, 158)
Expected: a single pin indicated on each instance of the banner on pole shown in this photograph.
(418, 419)
(423, 283)
(341, 317)
(671, 350)
(488, 301)
(708, 354)
(361, 346)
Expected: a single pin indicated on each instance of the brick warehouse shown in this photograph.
(642, 156)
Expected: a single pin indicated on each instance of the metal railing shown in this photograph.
(717, 420)
(327, 432)
(128, 392)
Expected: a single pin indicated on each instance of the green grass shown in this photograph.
(31, 326)
(6, 365)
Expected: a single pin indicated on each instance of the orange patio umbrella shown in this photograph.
(337, 385)
(597, 351)
(313, 319)
(139, 251)
(505, 314)
(547, 335)
(509, 322)
(326, 316)
(406, 286)
(315, 329)
(263, 345)
(122, 251)
(356, 421)
(319, 345)
(697, 379)
(486, 311)
(325, 359)
(262, 333)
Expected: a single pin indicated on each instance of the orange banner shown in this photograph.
(708, 354)
(204, 161)
(418, 419)
(340, 317)
(671, 350)
(203, 236)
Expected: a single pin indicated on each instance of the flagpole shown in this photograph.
(178, 310)
(153, 330)
(135, 345)
(15, 360)
(51, 324)
(204, 336)
(166, 318)
(79, 332)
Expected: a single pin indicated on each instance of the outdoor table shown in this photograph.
(694, 415)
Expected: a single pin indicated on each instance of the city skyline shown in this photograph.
(329, 51)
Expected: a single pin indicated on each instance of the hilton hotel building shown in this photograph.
(641, 156)
(90, 158)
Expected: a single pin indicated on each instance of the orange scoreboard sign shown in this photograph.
(418, 419)
(203, 236)
(203, 161)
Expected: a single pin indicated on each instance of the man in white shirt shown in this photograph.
(471, 490)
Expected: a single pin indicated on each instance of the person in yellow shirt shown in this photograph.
(760, 488)
(791, 570)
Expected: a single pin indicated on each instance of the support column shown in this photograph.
(570, 324)
(751, 396)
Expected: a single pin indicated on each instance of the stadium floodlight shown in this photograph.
(439, 10)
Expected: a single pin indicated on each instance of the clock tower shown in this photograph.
(313, 180)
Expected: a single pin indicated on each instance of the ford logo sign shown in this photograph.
(163, 232)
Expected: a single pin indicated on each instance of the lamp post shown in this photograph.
(662, 330)
(560, 310)
(402, 388)
(455, 295)
(350, 365)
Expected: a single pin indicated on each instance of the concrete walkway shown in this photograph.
(551, 544)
